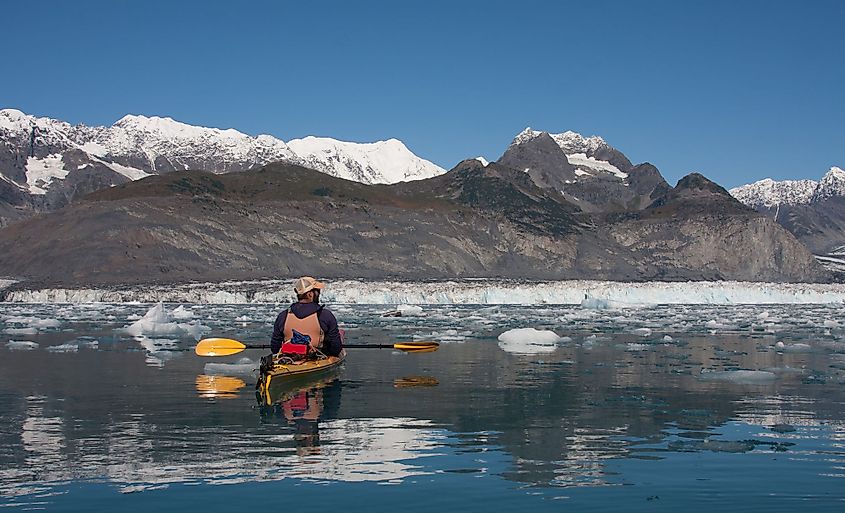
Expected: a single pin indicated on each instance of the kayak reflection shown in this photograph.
(302, 408)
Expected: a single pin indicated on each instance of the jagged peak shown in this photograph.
(570, 142)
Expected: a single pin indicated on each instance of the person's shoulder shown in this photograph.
(323, 310)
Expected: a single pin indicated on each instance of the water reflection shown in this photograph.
(223, 387)
(561, 419)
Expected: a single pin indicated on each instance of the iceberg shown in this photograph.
(528, 341)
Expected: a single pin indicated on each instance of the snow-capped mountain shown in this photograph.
(814, 211)
(768, 193)
(589, 172)
(379, 162)
(832, 184)
(44, 162)
(589, 156)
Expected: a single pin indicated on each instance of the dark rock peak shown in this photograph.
(696, 194)
(542, 158)
(698, 182)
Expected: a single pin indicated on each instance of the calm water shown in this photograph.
(735, 408)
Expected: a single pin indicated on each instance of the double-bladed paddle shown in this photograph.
(228, 346)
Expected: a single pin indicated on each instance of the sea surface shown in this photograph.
(105, 407)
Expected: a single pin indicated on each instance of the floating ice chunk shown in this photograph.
(797, 347)
(64, 348)
(763, 315)
(410, 310)
(242, 366)
(830, 324)
(182, 314)
(528, 341)
(21, 331)
(642, 332)
(738, 376)
(89, 344)
(43, 324)
(633, 346)
(21, 345)
(243, 318)
(667, 338)
(157, 322)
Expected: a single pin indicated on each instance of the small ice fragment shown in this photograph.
(64, 348)
(410, 310)
(797, 347)
(738, 376)
(642, 332)
(182, 314)
(763, 315)
(667, 338)
(243, 366)
(21, 331)
(21, 345)
(830, 324)
(528, 341)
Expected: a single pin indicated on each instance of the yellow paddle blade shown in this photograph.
(218, 347)
(417, 347)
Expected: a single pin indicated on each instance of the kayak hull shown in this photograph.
(272, 384)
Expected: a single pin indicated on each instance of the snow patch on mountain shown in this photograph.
(484, 162)
(40, 173)
(379, 162)
(584, 163)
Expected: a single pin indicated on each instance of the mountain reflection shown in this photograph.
(554, 420)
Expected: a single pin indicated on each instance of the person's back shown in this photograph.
(306, 321)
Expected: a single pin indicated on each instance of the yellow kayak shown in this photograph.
(293, 373)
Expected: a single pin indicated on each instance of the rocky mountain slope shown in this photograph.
(813, 211)
(475, 221)
(45, 163)
(586, 170)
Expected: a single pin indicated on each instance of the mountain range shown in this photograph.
(46, 163)
(813, 211)
(154, 200)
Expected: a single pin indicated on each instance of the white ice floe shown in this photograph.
(244, 366)
(797, 347)
(528, 341)
(410, 310)
(20, 331)
(64, 348)
(749, 377)
(642, 332)
(181, 313)
(158, 322)
(21, 345)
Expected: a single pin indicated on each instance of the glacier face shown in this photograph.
(590, 294)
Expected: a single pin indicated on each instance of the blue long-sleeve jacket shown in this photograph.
(332, 343)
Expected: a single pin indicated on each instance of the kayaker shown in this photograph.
(309, 318)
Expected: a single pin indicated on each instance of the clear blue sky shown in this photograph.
(737, 90)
